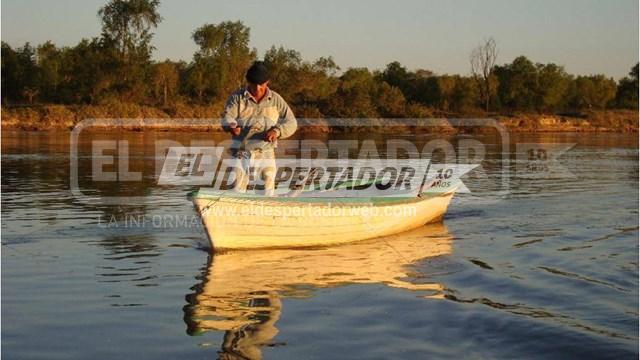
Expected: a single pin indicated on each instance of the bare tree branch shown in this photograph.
(483, 59)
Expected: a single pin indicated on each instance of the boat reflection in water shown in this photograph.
(241, 291)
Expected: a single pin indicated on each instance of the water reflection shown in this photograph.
(240, 292)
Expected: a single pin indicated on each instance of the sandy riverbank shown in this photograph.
(203, 118)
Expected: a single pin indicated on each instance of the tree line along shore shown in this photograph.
(113, 76)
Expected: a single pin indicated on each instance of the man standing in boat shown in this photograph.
(257, 117)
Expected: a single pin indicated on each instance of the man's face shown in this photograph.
(258, 90)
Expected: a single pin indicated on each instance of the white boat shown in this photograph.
(239, 221)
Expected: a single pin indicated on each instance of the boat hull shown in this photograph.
(250, 223)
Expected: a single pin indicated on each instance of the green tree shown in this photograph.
(446, 88)
(128, 24)
(526, 86)
(465, 94)
(49, 60)
(363, 95)
(319, 80)
(390, 102)
(517, 84)
(354, 96)
(222, 59)
(127, 30)
(20, 73)
(552, 87)
(419, 86)
(627, 91)
(426, 90)
(303, 84)
(285, 66)
(454, 93)
(165, 79)
(593, 92)
(89, 72)
(11, 74)
(397, 75)
(197, 80)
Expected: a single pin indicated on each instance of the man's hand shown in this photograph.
(235, 131)
(271, 135)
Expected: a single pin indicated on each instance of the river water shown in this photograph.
(521, 267)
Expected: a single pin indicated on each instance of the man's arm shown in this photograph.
(230, 114)
(287, 123)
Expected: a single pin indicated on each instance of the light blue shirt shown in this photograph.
(256, 118)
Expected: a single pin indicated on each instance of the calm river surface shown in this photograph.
(546, 268)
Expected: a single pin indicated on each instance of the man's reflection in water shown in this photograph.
(253, 328)
(246, 340)
(240, 292)
(246, 343)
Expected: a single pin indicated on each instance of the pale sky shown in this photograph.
(586, 36)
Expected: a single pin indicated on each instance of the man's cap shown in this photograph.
(258, 73)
